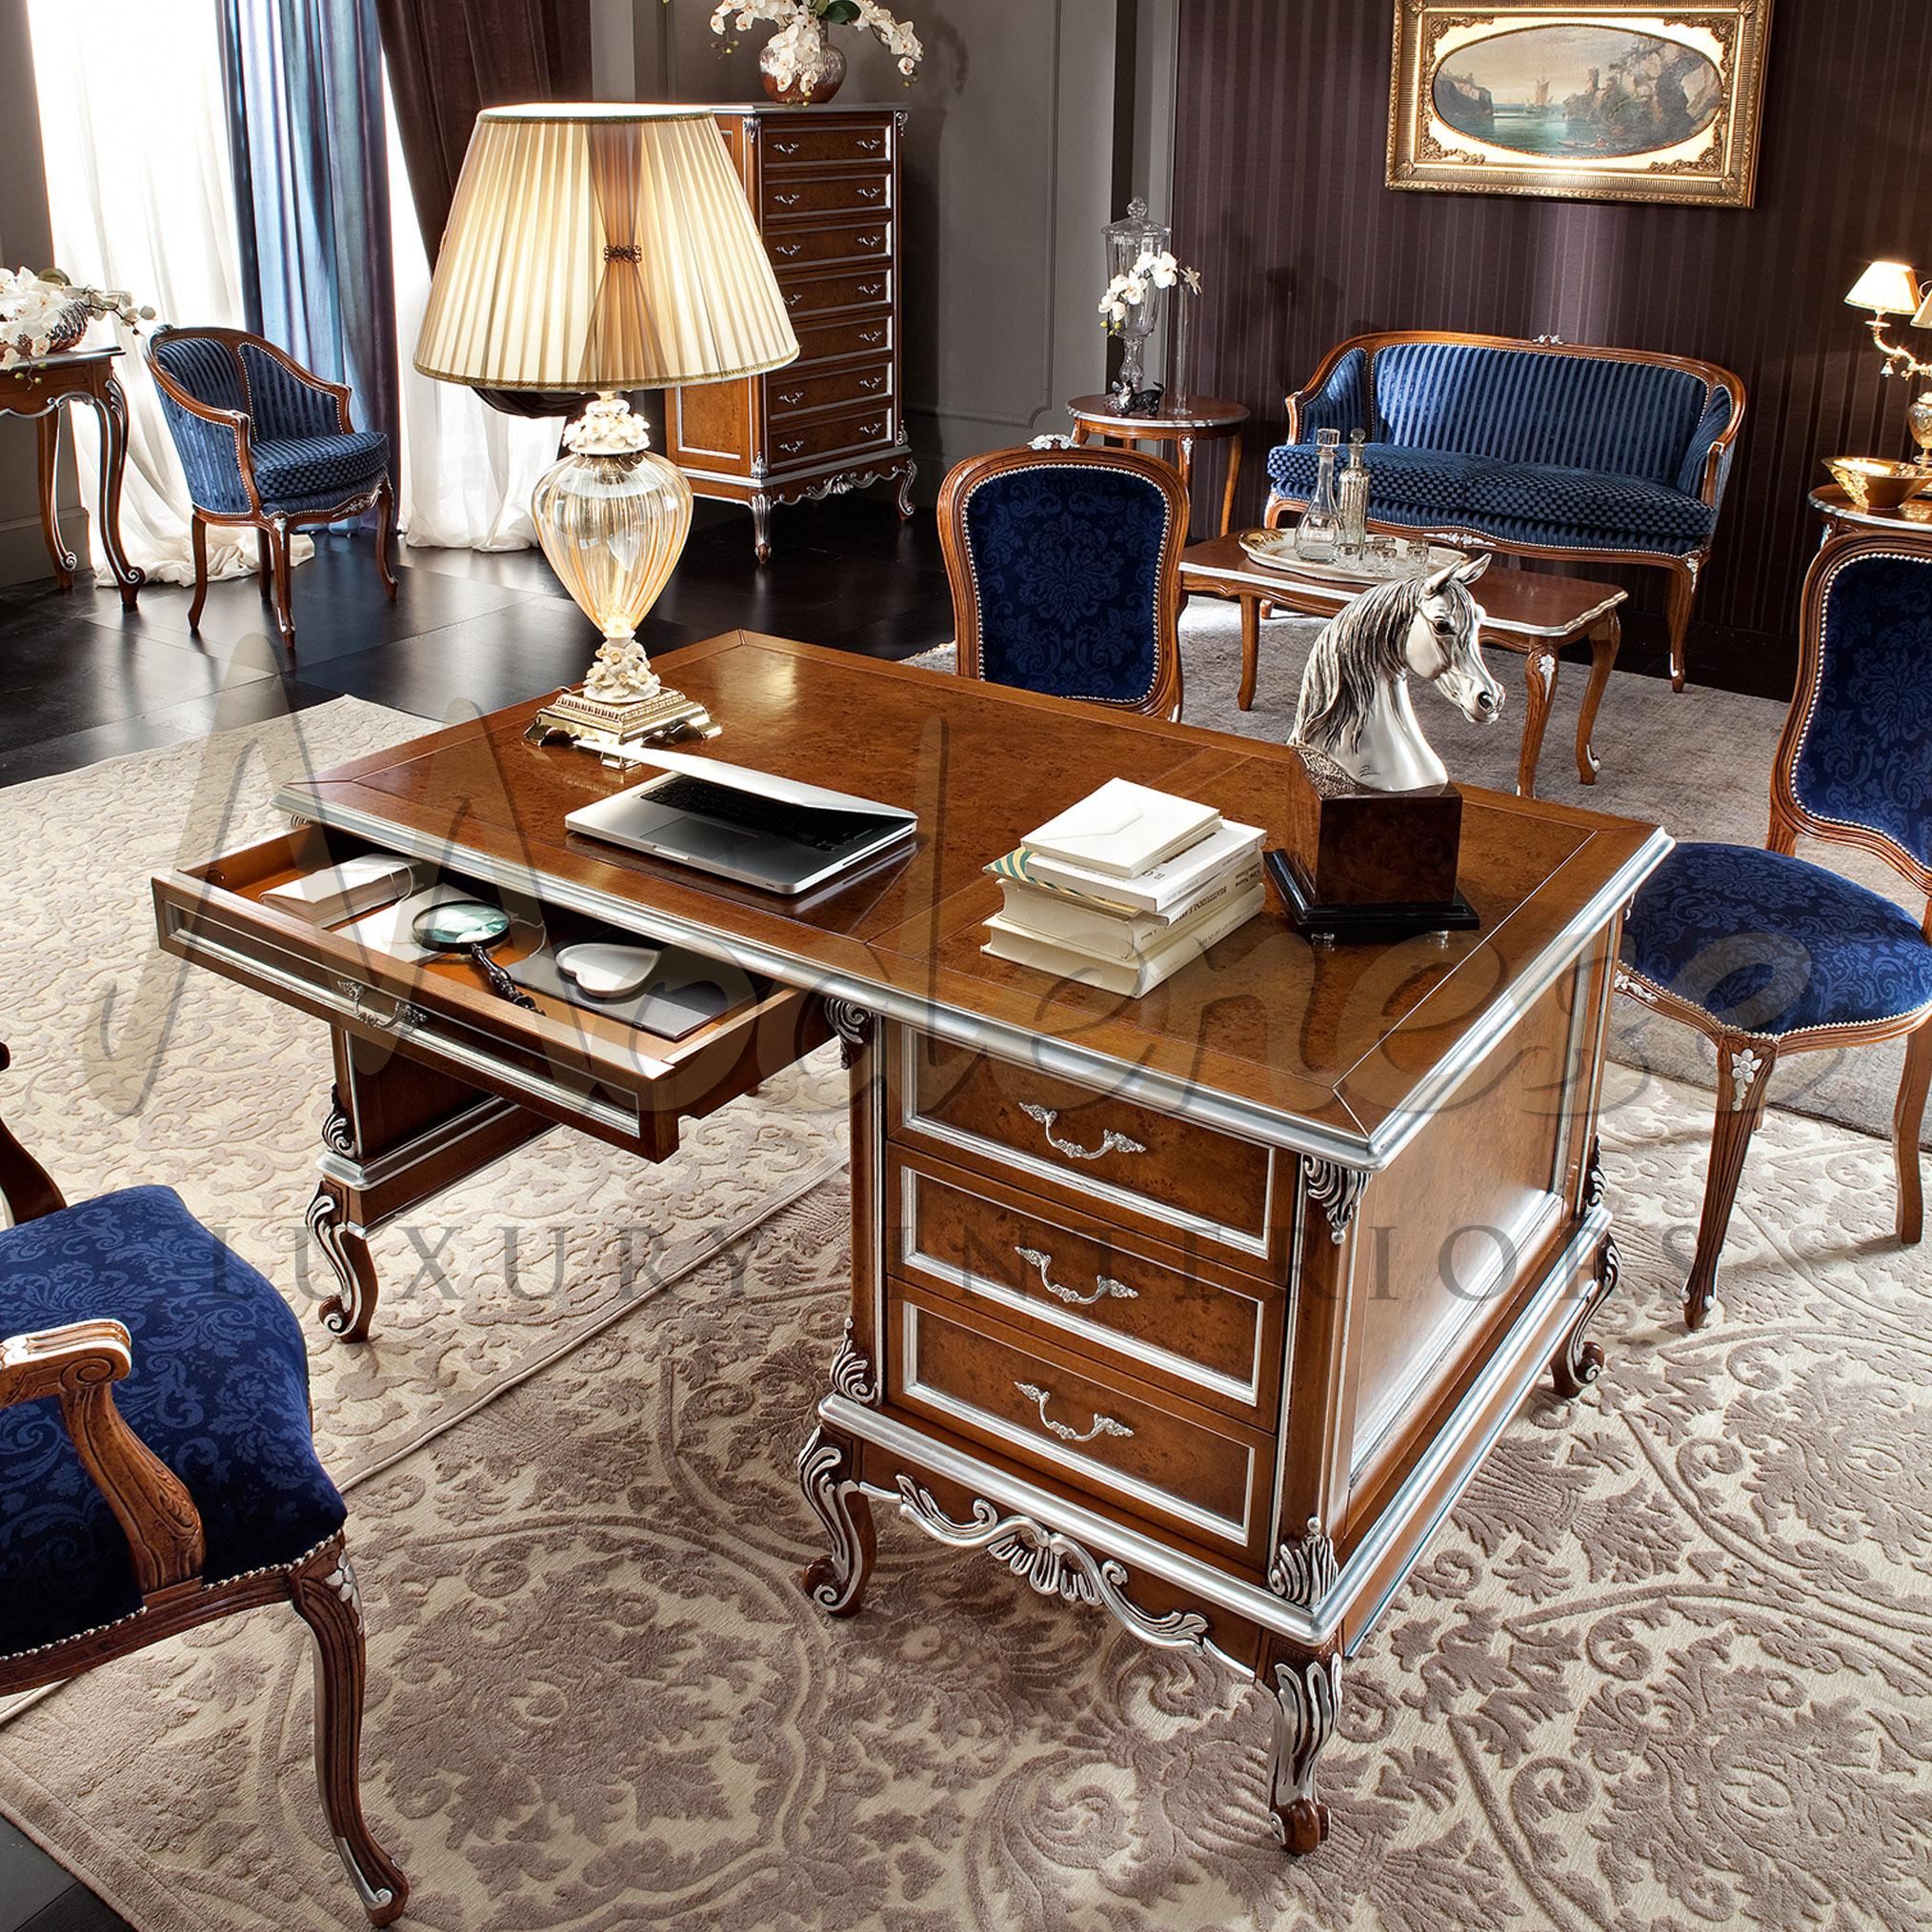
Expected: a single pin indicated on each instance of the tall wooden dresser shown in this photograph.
(824, 184)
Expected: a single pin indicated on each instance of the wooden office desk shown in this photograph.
(1201, 1308)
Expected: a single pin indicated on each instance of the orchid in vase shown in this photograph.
(42, 314)
(798, 63)
(1128, 309)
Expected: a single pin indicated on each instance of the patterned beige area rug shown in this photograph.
(1670, 1663)
(129, 1065)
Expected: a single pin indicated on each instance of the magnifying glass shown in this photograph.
(469, 926)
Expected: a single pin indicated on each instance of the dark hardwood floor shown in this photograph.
(82, 682)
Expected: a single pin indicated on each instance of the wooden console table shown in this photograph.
(1202, 1309)
(1530, 612)
(1206, 419)
(38, 390)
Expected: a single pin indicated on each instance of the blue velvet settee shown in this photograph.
(1542, 449)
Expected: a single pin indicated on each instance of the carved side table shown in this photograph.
(38, 390)
(1203, 420)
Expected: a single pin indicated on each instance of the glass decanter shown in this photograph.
(1318, 532)
(1351, 493)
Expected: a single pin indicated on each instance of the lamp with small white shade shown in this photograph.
(1892, 288)
(606, 247)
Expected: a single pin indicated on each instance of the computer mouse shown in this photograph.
(608, 972)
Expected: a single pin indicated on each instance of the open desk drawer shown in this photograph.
(582, 1068)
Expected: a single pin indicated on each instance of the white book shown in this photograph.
(1157, 890)
(1063, 919)
(342, 892)
(1123, 829)
(1134, 979)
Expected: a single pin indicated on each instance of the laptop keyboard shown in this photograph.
(812, 827)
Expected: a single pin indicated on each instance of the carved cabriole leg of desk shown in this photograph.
(828, 1465)
(1306, 1686)
(397, 1133)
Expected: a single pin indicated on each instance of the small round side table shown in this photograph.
(1839, 515)
(1204, 420)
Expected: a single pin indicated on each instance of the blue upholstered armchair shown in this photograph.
(268, 446)
(1065, 571)
(1766, 954)
(1544, 448)
(157, 1469)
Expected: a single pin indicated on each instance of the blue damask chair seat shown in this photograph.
(326, 469)
(1768, 943)
(1766, 954)
(219, 1390)
(266, 443)
(1546, 447)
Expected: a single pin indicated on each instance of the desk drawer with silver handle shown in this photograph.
(1127, 1449)
(585, 1069)
(1188, 1182)
(789, 198)
(863, 144)
(1183, 1319)
(862, 386)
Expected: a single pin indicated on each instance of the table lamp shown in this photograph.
(605, 248)
(1891, 289)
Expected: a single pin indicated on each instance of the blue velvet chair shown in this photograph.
(157, 1469)
(269, 446)
(1065, 568)
(1541, 448)
(1766, 954)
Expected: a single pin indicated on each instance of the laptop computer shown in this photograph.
(764, 831)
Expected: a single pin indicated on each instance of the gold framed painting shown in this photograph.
(1608, 100)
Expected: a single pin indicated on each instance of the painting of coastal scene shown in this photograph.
(1572, 93)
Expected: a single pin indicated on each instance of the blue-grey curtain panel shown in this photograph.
(307, 139)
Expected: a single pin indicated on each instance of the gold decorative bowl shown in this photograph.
(1874, 484)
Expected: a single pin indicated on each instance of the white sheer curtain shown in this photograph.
(138, 187)
(467, 470)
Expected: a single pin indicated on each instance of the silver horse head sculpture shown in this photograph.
(1355, 708)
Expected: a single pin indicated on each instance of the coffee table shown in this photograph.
(1530, 612)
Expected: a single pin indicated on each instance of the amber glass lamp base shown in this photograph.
(613, 519)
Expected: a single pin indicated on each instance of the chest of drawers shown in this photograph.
(824, 186)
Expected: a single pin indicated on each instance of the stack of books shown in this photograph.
(1123, 889)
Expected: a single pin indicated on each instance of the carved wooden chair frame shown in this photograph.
(1164, 695)
(1746, 1060)
(77, 1365)
(271, 528)
(1684, 568)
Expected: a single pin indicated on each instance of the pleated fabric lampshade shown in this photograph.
(606, 247)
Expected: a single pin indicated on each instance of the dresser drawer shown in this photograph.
(856, 289)
(863, 386)
(805, 248)
(867, 335)
(586, 1069)
(1115, 1442)
(1205, 1332)
(826, 147)
(1051, 1136)
(799, 197)
(819, 437)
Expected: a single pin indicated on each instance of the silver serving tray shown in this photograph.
(1275, 551)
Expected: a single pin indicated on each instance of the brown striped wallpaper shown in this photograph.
(1280, 199)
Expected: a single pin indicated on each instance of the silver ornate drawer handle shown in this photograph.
(792, 447)
(400, 1020)
(1111, 1142)
(1103, 1425)
(786, 200)
(1104, 1285)
(870, 194)
(869, 288)
(788, 249)
(791, 395)
(873, 382)
(872, 146)
(786, 147)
